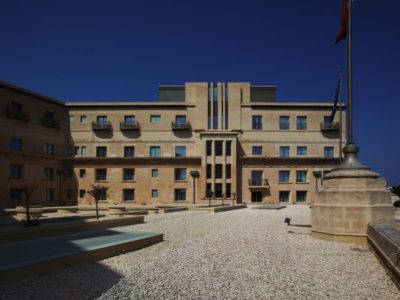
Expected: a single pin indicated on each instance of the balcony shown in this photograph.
(50, 122)
(334, 126)
(17, 114)
(181, 125)
(105, 126)
(123, 125)
(258, 184)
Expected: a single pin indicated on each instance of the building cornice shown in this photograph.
(79, 105)
(140, 161)
(289, 161)
(290, 105)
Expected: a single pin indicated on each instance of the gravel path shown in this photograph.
(243, 254)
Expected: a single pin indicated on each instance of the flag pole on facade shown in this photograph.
(340, 119)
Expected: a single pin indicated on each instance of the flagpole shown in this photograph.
(349, 74)
(340, 119)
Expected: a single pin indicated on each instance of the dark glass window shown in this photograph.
(284, 151)
(257, 122)
(215, 106)
(218, 171)
(129, 151)
(284, 122)
(180, 151)
(301, 196)
(15, 144)
(129, 194)
(328, 152)
(154, 193)
(180, 174)
(256, 150)
(154, 173)
(82, 173)
(15, 171)
(49, 194)
(101, 151)
(228, 170)
(256, 178)
(228, 190)
(48, 173)
(155, 119)
(218, 190)
(301, 176)
(208, 187)
(218, 148)
(155, 151)
(180, 194)
(180, 120)
(102, 120)
(209, 148)
(284, 196)
(302, 150)
(209, 170)
(228, 148)
(129, 174)
(101, 174)
(301, 122)
(82, 193)
(284, 176)
(49, 149)
(130, 120)
(16, 194)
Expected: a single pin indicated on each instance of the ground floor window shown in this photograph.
(82, 193)
(129, 194)
(154, 193)
(49, 195)
(284, 196)
(301, 196)
(16, 195)
(256, 197)
(218, 190)
(180, 194)
(228, 190)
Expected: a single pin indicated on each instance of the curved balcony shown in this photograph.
(258, 184)
(106, 126)
(124, 125)
(334, 126)
(181, 125)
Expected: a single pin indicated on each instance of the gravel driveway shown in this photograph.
(243, 254)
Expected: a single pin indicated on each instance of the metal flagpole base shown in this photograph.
(350, 160)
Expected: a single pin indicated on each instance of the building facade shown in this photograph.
(233, 139)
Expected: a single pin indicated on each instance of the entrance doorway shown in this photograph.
(256, 197)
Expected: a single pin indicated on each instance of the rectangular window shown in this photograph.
(228, 190)
(82, 193)
(129, 151)
(155, 151)
(69, 193)
(180, 194)
(101, 151)
(228, 148)
(215, 106)
(284, 196)
(16, 195)
(48, 173)
(228, 171)
(218, 148)
(82, 173)
(83, 119)
(155, 119)
(180, 151)
(180, 120)
(49, 194)
(129, 194)
(256, 178)
(154, 173)
(328, 152)
(102, 120)
(218, 171)
(17, 107)
(15, 171)
(128, 174)
(154, 193)
(71, 119)
(218, 190)
(70, 151)
(301, 122)
(209, 170)
(284, 176)
(101, 174)
(129, 120)
(49, 149)
(301, 176)
(209, 148)
(15, 144)
(327, 120)
(284, 151)
(180, 174)
(284, 122)
(301, 150)
(256, 150)
(208, 187)
(209, 107)
(257, 122)
(76, 151)
(83, 151)
(301, 196)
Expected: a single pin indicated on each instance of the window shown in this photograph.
(228, 190)
(327, 120)
(83, 119)
(284, 151)
(101, 151)
(301, 196)
(69, 193)
(15, 144)
(48, 173)
(256, 178)
(129, 194)
(301, 122)
(154, 193)
(130, 120)
(228, 171)
(301, 150)
(328, 152)
(208, 187)
(257, 122)
(76, 152)
(102, 120)
(180, 151)
(154, 173)
(82, 193)
(301, 176)
(82, 173)
(209, 171)
(284, 196)
(70, 173)
(218, 171)
(49, 115)
(16, 107)
(284, 122)
(129, 174)
(49, 194)
(83, 151)
(155, 151)
(256, 150)
(218, 190)
(16, 195)
(180, 174)
(155, 119)
(218, 148)
(215, 106)
(129, 151)
(180, 120)
(15, 171)
(228, 148)
(70, 151)
(101, 174)
(49, 149)
(284, 176)
(71, 118)
(209, 148)
(180, 194)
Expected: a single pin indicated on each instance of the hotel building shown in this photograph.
(233, 139)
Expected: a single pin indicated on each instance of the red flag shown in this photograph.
(343, 22)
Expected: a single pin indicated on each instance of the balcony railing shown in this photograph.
(181, 125)
(20, 115)
(123, 125)
(334, 126)
(258, 183)
(101, 125)
(49, 122)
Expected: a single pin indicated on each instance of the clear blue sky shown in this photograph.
(121, 50)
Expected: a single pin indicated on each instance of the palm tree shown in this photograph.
(98, 192)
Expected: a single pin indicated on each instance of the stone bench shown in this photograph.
(34, 213)
(117, 209)
(67, 209)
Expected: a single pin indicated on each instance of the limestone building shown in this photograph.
(234, 139)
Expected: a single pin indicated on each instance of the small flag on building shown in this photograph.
(343, 22)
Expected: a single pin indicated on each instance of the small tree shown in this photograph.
(209, 195)
(395, 190)
(223, 198)
(98, 192)
(233, 198)
(28, 191)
